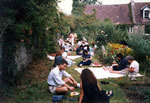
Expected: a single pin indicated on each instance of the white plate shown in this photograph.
(74, 93)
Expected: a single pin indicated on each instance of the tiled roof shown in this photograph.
(139, 19)
(118, 14)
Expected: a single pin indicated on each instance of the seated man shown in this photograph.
(86, 59)
(122, 64)
(133, 68)
(55, 81)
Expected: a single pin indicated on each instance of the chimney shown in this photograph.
(133, 11)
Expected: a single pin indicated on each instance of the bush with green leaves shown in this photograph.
(140, 46)
(33, 23)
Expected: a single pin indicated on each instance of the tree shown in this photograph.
(32, 23)
(89, 2)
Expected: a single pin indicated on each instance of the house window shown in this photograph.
(147, 29)
(147, 14)
(130, 29)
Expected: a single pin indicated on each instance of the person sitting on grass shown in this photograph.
(86, 59)
(90, 91)
(58, 58)
(120, 65)
(65, 56)
(55, 81)
(78, 50)
(133, 68)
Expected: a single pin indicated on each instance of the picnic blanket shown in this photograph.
(100, 73)
(51, 57)
(73, 57)
(69, 57)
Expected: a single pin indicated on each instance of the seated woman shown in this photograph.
(118, 66)
(64, 56)
(78, 50)
(58, 59)
(86, 59)
(91, 50)
(90, 91)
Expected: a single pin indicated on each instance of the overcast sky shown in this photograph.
(66, 5)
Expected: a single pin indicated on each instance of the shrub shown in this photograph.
(140, 46)
(110, 51)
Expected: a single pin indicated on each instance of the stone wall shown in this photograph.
(23, 57)
(139, 29)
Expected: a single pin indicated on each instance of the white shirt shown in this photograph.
(135, 65)
(64, 55)
(55, 77)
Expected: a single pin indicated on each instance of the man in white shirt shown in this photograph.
(133, 68)
(55, 81)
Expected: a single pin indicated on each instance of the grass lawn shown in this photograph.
(34, 87)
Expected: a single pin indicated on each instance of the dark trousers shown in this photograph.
(85, 63)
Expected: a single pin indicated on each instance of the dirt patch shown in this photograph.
(137, 93)
(37, 71)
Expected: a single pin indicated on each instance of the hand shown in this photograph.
(72, 88)
(75, 83)
(126, 69)
(110, 70)
(114, 62)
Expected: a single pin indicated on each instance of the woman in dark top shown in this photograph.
(90, 90)
(86, 59)
(120, 66)
(58, 58)
(78, 51)
(122, 63)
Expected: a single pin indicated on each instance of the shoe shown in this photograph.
(104, 82)
(110, 94)
(80, 65)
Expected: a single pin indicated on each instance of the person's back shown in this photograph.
(90, 90)
(92, 94)
(58, 59)
(78, 50)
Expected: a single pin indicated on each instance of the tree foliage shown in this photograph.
(33, 23)
(89, 2)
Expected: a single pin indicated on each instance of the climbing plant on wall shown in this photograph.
(32, 23)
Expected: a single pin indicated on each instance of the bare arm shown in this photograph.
(81, 93)
(131, 69)
(98, 86)
(74, 82)
(69, 87)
